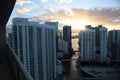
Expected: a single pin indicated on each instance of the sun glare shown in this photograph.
(77, 24)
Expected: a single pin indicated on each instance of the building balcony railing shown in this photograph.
(11, 66)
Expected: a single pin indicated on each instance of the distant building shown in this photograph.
(114, 44)
(35, 45)
(59, 67)
(61, 35)
(87, 45)
(88, 27)
(113, 36)
(100, 42)
(67, 36)
(115, 50)
(62, 45)
(60, 54)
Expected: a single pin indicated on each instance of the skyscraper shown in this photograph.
(113, 36)
(100, 42)
(87, 45)
(67, 36)
(114, 44)
(55, 26)
(62, 44)
(35, 45)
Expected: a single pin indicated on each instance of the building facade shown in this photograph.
(100, 42)
(35, 45)
(62, 45)
(55, 26)
(114, 44)
(67, 36)
(87, 45)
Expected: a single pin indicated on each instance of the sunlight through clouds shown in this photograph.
(74, 10)
(80, 17)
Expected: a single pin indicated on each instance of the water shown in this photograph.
(70, 69)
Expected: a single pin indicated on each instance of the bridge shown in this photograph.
(69, 59)
(74, 36)
(76, 50)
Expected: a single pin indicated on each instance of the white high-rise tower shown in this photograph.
(103, 44)
(87, 45)
(93, 44)
(35, 45)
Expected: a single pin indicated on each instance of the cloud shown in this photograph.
(65, 1)
(22, 2)
(23, 11)
(106, 15)
(47, 9)
(58, 1)
(44, 1)
(65, 10)
(96, 16)
(117, 20)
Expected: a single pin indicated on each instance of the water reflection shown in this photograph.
(75, 44)
(74, 72)
(69, 67)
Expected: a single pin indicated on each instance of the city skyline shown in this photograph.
(76, 13)
(36, 47)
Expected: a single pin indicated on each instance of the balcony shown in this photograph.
(10, 66)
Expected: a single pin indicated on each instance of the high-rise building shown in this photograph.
(114, 44)
(35, 45)
(87, 45)
(55, 26)
(59, 67)
(113, 36)
(115, 51)
(67, 36)
(62, 44)
(100, 42)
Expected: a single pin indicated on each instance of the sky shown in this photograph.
(76, 13)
